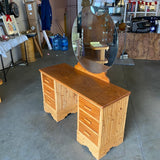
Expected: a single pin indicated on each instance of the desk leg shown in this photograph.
(26, 53)
(102, 55)
(37, 46)
(3, 69)
(11, 55)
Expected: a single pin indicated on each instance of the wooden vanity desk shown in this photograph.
(101, 106)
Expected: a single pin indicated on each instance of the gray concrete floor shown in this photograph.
(28, 133)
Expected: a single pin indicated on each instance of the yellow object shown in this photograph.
(30, 50)
(96, 44)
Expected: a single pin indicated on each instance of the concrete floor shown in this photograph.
(28, 133)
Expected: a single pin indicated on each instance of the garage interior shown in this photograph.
(27, 132)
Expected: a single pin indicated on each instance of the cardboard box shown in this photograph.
(31, 10)
(33, 24)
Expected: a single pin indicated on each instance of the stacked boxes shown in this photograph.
(31, 9)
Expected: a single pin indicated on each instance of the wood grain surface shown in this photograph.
(102, 76)
(141, 45)
(108, 132)
(96, 90)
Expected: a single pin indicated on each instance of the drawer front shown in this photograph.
(48, 81)
(49, 92)
(88, 133)
(49, 101)
(90, 122)
(89, 108)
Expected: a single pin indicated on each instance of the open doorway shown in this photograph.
(63, 14)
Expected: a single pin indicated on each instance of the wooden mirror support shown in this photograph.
(102, 76)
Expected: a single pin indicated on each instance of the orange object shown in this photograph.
(122, 26)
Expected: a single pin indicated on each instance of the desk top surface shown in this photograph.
(92, 88)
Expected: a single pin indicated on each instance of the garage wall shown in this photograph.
(23, 25)
(71, 15)
(58, 10)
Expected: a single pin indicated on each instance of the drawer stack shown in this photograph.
(89, 116)
(48, 92)
(58, 100)
(101, 128)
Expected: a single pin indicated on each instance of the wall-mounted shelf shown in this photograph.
(137, 8)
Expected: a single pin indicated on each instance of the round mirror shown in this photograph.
(94, 39)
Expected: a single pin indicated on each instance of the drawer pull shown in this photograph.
(85, 132)
(87, 121)
(89, 109)
(47, 81)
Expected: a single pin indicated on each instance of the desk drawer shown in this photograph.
(48, 81)
(88, 133)
(49, 101)
(89, 108)
(90, 122)
(49, 92)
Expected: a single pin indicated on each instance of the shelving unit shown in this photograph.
(137, 7)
